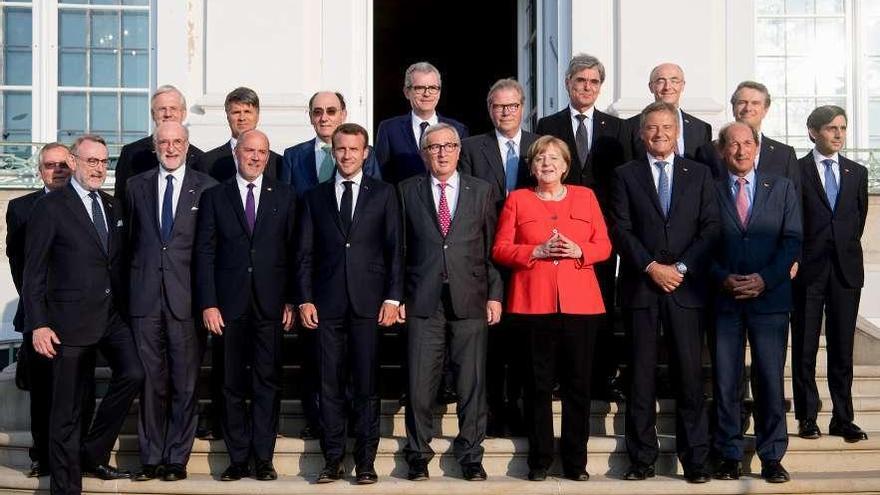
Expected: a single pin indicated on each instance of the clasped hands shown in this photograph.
(557, 246)
(744, 286)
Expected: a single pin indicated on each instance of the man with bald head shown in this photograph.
(666, 83)
(243, 267)
(167, 105)
(160, 302)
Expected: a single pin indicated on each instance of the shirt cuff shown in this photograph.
(648, 268)
(391, 301)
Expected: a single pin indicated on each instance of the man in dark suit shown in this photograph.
(34, 372)
(452, 290)
(666, 83)
(835, 208)
(398, 138)
(162, 207)
(242, 107)
(760, 238)
(750, 104)
(598, 143)
(74, 306)
(167, 105)
(244, 242)
(499, 158)
(664, 222)
(350, 274)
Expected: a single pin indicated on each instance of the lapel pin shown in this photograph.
(602, 122)
(194, 208)
(766, 184)
(846, 170)
(686, 121)
(192, 191)
(268, 188)
(772, 147)
(119, 223)
(684, 170)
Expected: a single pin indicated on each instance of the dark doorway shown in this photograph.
(473, 44)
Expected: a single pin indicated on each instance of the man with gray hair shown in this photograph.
(167, 105)
(397, 138)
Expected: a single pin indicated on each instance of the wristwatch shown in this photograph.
(681, 268)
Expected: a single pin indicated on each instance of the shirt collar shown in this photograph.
(178, 173)
(232, 143)
(668, 159)
(319, 145)
(242, 183)
(81, 191)
(750, 178)
(588, 113)
(819, 157)
(451, 182)
(358, 177)
(416, 120)
(502, 139)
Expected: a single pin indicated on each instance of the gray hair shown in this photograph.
(439, 126)
(426, 67)
(654, 70)
(751, 85)
(506, 83)
(49, 147)
(244, 96)
(722, 133)
(167, 88)
(824, 115)
(156, 132)
(658, 106)
(74, 148)
(583, 61)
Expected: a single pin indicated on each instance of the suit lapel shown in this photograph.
(681, 178)
(491, 152)
(364, 195)
(465, 200)
(151, 193)
(723, 187)
(329, 198)
(113, 240)
(406, 134)
(847, 178)
(762, 189)
(428, 199)
(79, 212)
(768, 149)
(185, 202)
(687, 132)
(267, 202)
(645, 177)
(311, 164)
(813, 174)
(235, 200)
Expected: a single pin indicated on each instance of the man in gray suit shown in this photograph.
(162, 207)
(451, 291)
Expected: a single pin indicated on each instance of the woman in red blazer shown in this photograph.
(550, 237)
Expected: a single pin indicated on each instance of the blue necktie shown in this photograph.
(831, 188)
(511, 166)
(167, 222)
(98, 220)
(663, 191)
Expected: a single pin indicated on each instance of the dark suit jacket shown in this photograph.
(138, 157)
(361, 267)
(641, 234)
(695, 131)
(834, 235)
(398, 151)
(776, 159)
(17, 212)
(71, 284)
(298, 167)
(464, 254)
(768, 246)
(481, 157)
(220, 164)
(231, 264)
(155, 266)
(608, 149)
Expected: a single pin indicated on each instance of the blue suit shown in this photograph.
(398, 151)
(768, 246)
(300, 170)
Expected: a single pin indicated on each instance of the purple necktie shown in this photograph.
(250, 208)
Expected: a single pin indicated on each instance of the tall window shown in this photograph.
(16, 58)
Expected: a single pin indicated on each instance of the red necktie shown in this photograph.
(443, 215)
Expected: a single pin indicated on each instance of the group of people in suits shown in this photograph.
(498, 253)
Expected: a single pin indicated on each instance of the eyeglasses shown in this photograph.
(434, 149)
(319, 112)
(177, 143)
(509, 108)
(55, 165)
(426, 90)
(94, 162)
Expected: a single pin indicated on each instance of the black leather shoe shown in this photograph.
(174, 472)
(697, 475)
(38, 470)
(849, 431)
(148, 472)
(577, 475)
(365, 475)
(447, 396)
(728, 469)
(106, 472)
(773, 472)
(309, 433)
(235, 472)
(265, 471)
(418, 471)
(332, 472)
(807, 428)
(473, 471)
(638, 472)
(537, 474)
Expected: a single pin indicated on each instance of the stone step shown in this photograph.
(607, 455)
(14, 482)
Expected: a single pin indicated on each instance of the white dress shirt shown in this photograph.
(83, 194)
(656, 173)
(232, 144)
(452, 188)
(416, 122)
(818, 157)
(243, 190)
(588, 123)
(680, 142)
(175, 194)
(355, 189)
(502, 145)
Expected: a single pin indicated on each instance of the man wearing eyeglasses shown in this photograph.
(397, 138)
(74, 306)
(451, 292)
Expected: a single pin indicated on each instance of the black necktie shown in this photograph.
(581, 139)
(168, 209)
(422, 127)
(345, 205)
(98, 219)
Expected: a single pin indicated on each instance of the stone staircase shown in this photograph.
(826, 465)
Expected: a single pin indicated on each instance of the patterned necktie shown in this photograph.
(511, 166)
(345, 205)
(742, 201)
(663, 190)
(831, 187)
(327, 165)
(443, 215)
(250, 208)
(582, 139)
(422, 127)
(167, 221)
(98, 219)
